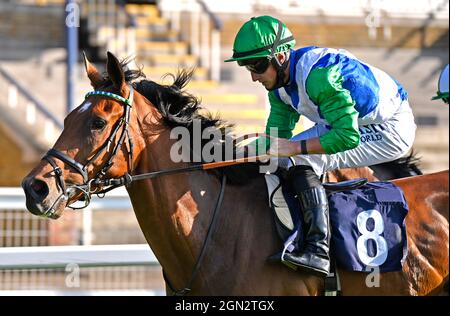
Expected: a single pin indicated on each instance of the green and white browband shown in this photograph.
(112, 96)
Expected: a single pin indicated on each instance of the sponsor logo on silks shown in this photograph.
(371, 133)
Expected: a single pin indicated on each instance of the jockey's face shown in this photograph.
(269, 78)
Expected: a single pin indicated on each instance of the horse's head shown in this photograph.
(95, 146)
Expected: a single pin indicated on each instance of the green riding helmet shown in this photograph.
(442, 92)
(262, 36)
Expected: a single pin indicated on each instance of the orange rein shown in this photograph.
(226, 163)
(127, 178)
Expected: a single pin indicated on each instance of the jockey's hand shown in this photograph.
(281, 147)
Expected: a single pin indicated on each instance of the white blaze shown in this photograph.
(85, 107)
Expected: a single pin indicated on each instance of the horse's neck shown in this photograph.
(173, 211)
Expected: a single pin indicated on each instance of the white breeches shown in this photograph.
(378, 143)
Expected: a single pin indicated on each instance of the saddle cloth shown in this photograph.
(367, 224)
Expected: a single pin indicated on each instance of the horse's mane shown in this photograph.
(400, 168)
(180, 108)
(410, 163)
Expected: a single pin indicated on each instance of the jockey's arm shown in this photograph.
(336, 106)
(325, 88)
(282, 117)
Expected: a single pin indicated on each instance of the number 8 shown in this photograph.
(380, 242)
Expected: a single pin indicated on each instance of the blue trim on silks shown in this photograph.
(292, 88)
(300, 52)
(358, 80)
(401, 90)
(277, 94)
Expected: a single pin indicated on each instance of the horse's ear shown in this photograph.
(92, 72)
(115, 72)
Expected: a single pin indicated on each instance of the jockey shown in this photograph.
(442, 92)
(361, 115)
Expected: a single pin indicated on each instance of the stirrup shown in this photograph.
(289, 246)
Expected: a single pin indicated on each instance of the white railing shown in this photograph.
(82, 256)
(82, 293)
(38, 2)
(42, 270)
(16, 222)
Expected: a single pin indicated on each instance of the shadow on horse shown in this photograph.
(125, 127)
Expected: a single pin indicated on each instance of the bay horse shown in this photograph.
(124, 128)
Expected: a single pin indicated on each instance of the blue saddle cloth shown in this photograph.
(367, 226)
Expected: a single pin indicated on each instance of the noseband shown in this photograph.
(86, 186)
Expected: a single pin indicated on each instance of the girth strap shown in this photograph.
(211, 228)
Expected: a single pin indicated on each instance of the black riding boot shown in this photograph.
(314, 256)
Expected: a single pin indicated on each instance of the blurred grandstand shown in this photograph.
(408, 39)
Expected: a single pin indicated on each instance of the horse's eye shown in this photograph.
(98, 124)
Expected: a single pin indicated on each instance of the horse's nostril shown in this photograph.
(39, 188)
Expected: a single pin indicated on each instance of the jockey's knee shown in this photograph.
(302, 178)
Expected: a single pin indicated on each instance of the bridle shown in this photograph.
(88, 185)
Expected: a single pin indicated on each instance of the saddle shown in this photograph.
(283, 204)
(366, 220)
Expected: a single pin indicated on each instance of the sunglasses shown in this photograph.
(255, 65)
